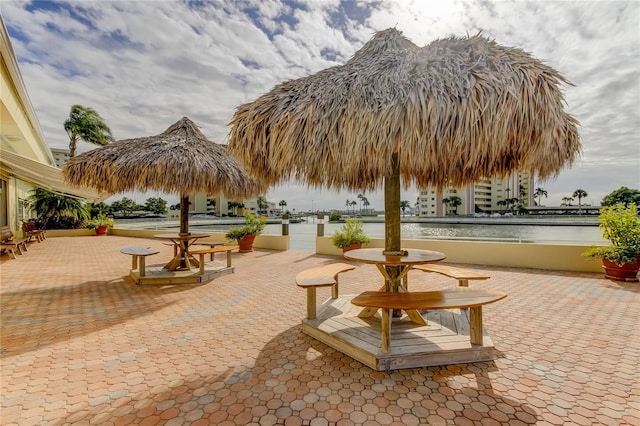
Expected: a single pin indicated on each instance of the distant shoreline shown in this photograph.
(546, 221)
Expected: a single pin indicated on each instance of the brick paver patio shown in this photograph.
(81, 344)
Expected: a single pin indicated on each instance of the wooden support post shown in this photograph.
(385, 326)
(311, 302)
(229, 259)
(141, 266)
(475, 325)
(334, 288)
(134, 262)
(463, 283)
(392, 207)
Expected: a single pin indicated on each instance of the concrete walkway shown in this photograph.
(82, 345)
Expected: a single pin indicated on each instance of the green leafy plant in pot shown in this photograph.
(244, 235)
(621, 226)
(101, 223)
(350, 236)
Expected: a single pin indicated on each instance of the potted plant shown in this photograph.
(101, 223)
(621, 226)
(245, 234)
(350, 236)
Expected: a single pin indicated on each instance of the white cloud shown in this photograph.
(143, 65)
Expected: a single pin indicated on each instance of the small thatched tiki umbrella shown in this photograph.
(179, 160)
(449, 113)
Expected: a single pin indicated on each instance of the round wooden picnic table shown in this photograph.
(182, 259)
(394, 269)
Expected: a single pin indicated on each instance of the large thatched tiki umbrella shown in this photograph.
(179, 160)
(449, 113)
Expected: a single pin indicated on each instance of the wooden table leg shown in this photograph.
(475, 325)
(385, 328)
(141, 266)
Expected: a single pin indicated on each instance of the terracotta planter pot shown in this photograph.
(627, 272)
(102, 229)
(246, 243)
(353, 246)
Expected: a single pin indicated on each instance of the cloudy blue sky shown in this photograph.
(145, 64)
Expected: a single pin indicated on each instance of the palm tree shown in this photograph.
(86, 124)
(360, 197)
(446, 201)
(580, 193)
(353, 204)
(262, 204)
(282, 205)
(231, 205)
(56, 210)
(566, 201)
(366, 204)
(348, 204)
(455, 201)
(502, 203)
(522, 191)
(539, 193)
(404, 204)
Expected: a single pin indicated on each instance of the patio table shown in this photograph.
(182, 259)
(394, 268)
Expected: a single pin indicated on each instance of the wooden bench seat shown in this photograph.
(138, 257)
(210, 245)
(30, 230)
(19, 245)
(462, 275)
(428, 300)
(9, 250)
(321, 276)
(211, 250)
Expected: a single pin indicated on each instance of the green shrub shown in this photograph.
(334, 216)
(351, 232)
(252, 225)
(621, 226)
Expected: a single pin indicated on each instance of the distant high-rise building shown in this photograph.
(486, 195)
(61, 156)
(221, 206)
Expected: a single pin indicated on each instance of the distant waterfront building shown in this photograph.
(485, 195)
(61, 156)
(221, 206)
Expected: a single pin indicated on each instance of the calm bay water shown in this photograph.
(303, 234)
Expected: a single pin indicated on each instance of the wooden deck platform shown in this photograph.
(445, 340)
(155, 274)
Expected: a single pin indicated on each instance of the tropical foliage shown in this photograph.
(57, 211)
(580, 194)
(262, 203)
(86, 124)
(404, 204)
(622, 195)
(351, 232)
(621, 226)
(454, 201)
(539, 193)
(252, 225)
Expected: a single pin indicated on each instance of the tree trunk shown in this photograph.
(73, 142)
(184, 214)
(392, 208)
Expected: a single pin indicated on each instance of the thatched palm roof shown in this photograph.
(179, 160)
(455, 111)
